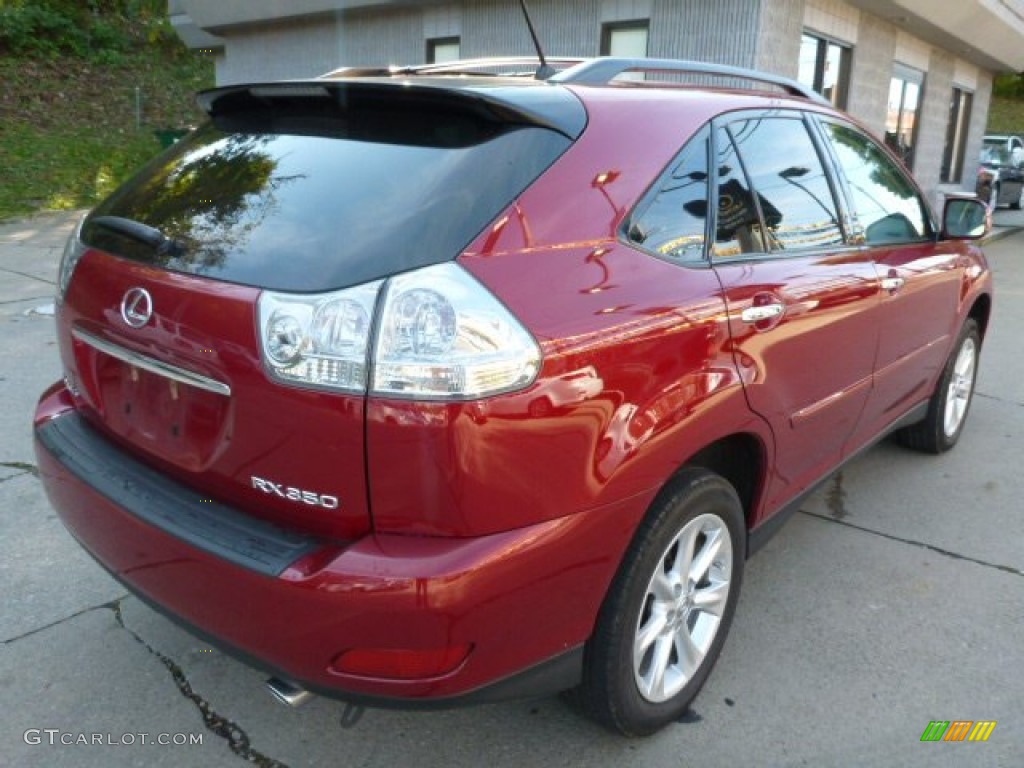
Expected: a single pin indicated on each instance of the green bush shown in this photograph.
(1009, 86)
(70, 70)
(51, 29)
(41, 31)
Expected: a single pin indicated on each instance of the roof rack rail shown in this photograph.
(503, 61)
(461, 67)
(601, 71)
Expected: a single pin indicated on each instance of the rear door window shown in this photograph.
(738, 229)
(793, 191)
(886, 205)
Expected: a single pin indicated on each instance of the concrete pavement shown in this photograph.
(894, 599)
(1006, 222)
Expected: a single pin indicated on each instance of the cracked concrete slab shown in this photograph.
(903, 493)
(28, 342)
(17, 286)
(1002, 343)
(10, 470)
(88, 676)
(50, 229)
(30, 250)
(46, 575)
(831, 662)
(30, 346)
(897, 491)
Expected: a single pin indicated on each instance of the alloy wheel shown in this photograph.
(682, 608)
(961, 385)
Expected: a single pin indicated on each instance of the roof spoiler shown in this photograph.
(552, 108)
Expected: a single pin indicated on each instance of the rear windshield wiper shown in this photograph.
(141, 233)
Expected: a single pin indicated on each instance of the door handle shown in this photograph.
(759, 314)
(892, 284)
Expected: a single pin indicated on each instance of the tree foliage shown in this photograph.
(1009, 86)
(95, 30)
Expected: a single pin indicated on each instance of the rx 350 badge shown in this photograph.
(309, 498)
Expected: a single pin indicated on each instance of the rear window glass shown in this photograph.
(316, 202)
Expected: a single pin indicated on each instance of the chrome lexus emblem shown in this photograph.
(137, 307)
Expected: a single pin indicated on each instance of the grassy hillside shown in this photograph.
(69, 132)
(1006, 116)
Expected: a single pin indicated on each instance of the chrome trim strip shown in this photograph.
(153, 366)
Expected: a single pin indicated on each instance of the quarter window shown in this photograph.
(793, 192)
(886, 205)
(673, 223)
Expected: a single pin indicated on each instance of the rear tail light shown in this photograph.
(443, 335)
(434, 333)
(73, 251)
(318, 340)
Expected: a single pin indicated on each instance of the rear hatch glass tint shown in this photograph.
(313, 195)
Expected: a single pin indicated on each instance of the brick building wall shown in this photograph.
(763, 34)
(870, 72)
(934, 120)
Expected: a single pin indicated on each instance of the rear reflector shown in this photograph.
(400, 663)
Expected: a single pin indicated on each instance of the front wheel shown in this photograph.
(1020, 199)
(947, 410)
(668, 611)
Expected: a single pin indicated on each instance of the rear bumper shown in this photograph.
(523, 601)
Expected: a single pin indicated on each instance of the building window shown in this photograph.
(905, 92)
(442, 49)
(956, 136)
(825, 67)
(627, 39)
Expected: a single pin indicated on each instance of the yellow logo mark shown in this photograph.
(982, 730)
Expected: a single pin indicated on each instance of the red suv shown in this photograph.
(441, 385)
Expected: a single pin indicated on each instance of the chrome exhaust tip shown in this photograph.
(286, 693)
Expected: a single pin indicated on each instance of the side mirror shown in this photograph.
(966, 218)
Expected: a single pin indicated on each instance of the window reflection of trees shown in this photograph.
(886, 202)
(210, 195)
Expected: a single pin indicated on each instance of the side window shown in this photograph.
(787, 174)
(887, 206)
(672, 222)
(738, 224)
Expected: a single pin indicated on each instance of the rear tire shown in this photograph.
(1020, 200)
(668, 611)
(947, 410)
